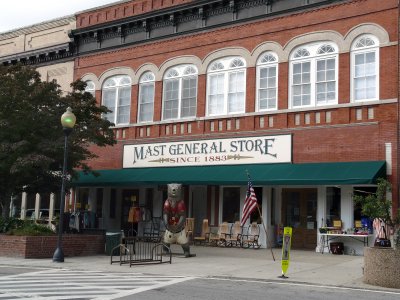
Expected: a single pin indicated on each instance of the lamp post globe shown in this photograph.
(68, 120)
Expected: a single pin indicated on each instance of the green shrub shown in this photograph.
(378, 206)
(30, 228)
(14, 226)
(7, 224)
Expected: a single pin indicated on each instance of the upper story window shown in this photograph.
(365, 68)
(267, 81)
(226, 86)
(314, 75)
(90, 88)
(180, 92)
(117, 97)
(146, 97)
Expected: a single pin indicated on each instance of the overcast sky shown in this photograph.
(20, 13)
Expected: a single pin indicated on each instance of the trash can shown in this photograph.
(337, 248)
(113, 239)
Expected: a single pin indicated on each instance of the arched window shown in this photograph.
(90, 88)
(146, 97)
(314, 75)
(267, 81)
(365, 68)
(180, 92)
(117, 97)
(226, 86)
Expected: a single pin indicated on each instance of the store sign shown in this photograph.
(248, 150)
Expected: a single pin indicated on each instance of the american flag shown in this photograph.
(249, 204)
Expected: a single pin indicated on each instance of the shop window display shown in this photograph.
(231, 204)
(332, 205)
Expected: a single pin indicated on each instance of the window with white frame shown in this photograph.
(117, 97)
(314, 75)
(226, 86)
(180, 92)
(365, 68)
(146, 97)
(267, 81)
(90, 88)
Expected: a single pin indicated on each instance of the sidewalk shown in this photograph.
(305, 266)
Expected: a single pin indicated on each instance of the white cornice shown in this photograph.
(38, 27)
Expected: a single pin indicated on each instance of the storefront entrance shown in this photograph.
(199, 206)
(129, 199)
(299, 211)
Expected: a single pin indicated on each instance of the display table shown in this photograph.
(326, 237)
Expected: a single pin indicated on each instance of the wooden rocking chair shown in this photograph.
(204, 235)
(250, 240)
(219, 239)
(235, 236)
(189, 226)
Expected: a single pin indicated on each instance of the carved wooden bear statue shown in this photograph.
(174, 215)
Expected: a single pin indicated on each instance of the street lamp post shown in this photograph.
(68, 120)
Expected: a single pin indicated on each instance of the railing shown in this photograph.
(137, 250)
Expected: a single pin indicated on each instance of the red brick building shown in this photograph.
(302, 95)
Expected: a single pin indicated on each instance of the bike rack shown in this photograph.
(141, 250)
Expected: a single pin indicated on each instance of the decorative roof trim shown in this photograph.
(101, 7)
(39, 56)
(37, 27)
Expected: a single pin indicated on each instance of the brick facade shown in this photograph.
(43, 246)
(339, 135)
(44, 45)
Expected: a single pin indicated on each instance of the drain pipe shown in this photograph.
(398, 112)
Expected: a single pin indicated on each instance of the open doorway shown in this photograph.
(199, 206)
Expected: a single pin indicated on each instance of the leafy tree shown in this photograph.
(377, 206)
(31, 136)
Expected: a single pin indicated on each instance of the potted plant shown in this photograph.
(382, 262)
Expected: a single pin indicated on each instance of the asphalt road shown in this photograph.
(231, 289)
(56, 284)
(5, 270)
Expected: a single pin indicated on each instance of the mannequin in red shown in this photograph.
(174, 215)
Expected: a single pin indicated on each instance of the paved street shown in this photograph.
(215, 273)
(236, 289)
(6, 270)
(57, 284)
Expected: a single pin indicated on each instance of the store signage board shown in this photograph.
(244, 150)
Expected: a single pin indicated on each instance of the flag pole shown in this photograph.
(262, 221)
(266, 233)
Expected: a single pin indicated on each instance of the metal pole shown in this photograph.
(266, 233)
(59, 254)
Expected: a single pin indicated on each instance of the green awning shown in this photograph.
(337, 173)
